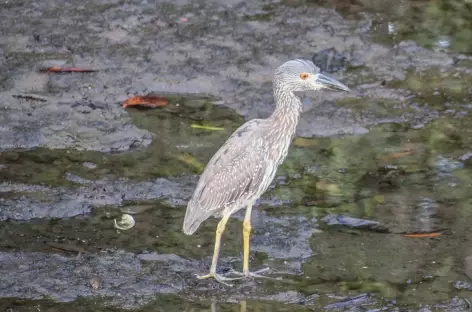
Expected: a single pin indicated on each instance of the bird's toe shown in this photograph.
(255, 274)
(220, 278)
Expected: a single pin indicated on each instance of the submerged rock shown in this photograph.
(329, 60)
(334, 219)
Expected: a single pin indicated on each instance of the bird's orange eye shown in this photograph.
(304, 76)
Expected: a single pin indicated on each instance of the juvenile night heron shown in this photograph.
(243, 168)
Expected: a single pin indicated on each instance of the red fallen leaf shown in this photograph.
(66, 69)
(147, 101)
(422, 235)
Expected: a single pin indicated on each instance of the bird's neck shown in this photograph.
(287, 113)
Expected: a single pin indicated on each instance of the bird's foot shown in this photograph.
(220, 278)
(255, 274)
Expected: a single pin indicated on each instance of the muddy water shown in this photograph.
(371, 210)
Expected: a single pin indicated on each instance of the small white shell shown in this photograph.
(125, 223)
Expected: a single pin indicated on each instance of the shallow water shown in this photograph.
(397, 151)
(439, 25)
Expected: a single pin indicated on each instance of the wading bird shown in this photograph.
(243, 168)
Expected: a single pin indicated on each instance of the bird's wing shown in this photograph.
(234, 174)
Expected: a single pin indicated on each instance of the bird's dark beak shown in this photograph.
(331, 83)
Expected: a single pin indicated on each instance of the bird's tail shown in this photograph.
(193, 218)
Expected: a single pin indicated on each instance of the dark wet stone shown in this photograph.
(334, 219)
(123, 277)
(60, 124)
(463, 285)
(65, 202)
(466, 156)
(350, 302)
(457, 304)
(329, 60)
(446, 166)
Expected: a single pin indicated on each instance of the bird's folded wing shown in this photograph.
(235, 173)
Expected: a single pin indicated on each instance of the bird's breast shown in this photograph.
(280, 141)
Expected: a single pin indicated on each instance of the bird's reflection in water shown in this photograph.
(242, 306)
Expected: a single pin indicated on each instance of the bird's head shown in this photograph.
(303, 75)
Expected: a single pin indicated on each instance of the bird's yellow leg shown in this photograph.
(246, 245)
(246, 239)
(219, 232)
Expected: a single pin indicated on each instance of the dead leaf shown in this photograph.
(422, 235)
(195, 126)
(147, 101)
(67, 69)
